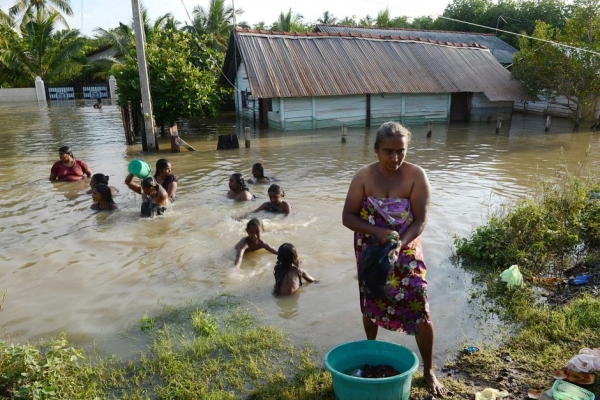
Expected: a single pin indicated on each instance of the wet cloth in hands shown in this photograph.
(404, 304)
(375, 265)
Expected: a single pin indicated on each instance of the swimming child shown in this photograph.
(258, 172)
(100, 179)
(288, 274)
(103, 199)
(252, 242)
(275, 203)
(99, 103)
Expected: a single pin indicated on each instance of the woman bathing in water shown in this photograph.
(238, 190)
(287, 271)
(275, 203)
(165, 178)
(100, 179)
(258, 172)
(252, 242)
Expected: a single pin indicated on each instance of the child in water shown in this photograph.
(252, 242)
(103, 198)
(100, 179)
(288, 274)
(275, 203)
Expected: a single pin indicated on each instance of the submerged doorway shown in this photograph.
(459, 107)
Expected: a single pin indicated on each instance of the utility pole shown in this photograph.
(149, 142)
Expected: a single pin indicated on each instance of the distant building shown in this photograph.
(103, 52)
(299, 80)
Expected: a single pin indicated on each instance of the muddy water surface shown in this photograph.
(66, 268)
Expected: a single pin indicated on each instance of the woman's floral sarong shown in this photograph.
(405, 304)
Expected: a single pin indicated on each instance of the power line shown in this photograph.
(525, 36)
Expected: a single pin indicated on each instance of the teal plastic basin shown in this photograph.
(347, 357)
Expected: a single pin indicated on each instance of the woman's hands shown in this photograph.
(385, 235)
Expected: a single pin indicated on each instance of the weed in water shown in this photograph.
(146, 323)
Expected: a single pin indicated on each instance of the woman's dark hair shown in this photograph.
(105, 193)
(260, 169)
(66, 150)
(240, 180)
(275, 188)
(255, 222)
(149, 182)
(160, 165)
(287, 260)
(391, 129)
(100, 179)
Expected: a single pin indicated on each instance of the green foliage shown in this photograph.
(571, 71)
(55, 56)
(182, 71)
(52, 370)
(204, 324)
(543, 234)
(146, 323)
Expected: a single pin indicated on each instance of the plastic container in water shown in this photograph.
(345, 358)
(140, 168)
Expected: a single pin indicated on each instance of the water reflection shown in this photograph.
(67, 268)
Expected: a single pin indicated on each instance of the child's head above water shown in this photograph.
(255, 225)
(287, 261)
(276, 193)
(287, 255)
(102, 193)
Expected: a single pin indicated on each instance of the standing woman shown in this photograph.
(165, 178)
(68, 168)
(389, 200)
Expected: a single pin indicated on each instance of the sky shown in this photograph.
(91, 14)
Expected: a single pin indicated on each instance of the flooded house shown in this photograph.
(312, 80)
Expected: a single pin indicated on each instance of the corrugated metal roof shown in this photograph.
(499, 48)
(317, 64)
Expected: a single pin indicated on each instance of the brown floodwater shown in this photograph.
(94, 275)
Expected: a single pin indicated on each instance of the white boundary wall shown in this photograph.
(17, 95)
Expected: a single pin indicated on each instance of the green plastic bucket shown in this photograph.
(139, 168)
(347, 357)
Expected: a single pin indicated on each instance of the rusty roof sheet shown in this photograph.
(499, 48)
(294, 64)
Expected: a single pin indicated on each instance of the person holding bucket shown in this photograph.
(155, 199)
(388, 200)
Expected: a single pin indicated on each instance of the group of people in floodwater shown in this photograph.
(386, 206)
(160, 190)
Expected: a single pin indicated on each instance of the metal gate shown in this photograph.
(78, 92)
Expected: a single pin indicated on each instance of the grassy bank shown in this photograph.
(553, 235)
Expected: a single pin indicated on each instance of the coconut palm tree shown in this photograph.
(216, 21)
(25, 10)
(43, 52)
(327, 19)
(289, 22)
